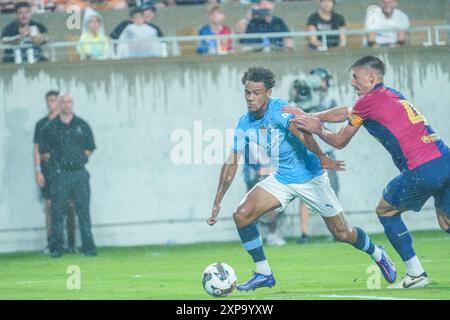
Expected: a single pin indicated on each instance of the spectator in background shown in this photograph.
(93, 43)
(158, 4)
(148, 9)
(260, 19)
(324, 20)
(68, 143)
(384, 17)
(7, 6)
(186, 2)
(215, 26)
(40, 6)
(45, 170)
(27, 32)
(139, 39)
(94, 4)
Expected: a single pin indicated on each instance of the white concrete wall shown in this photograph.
(139, 196)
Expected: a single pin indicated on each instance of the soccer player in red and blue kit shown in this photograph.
(418, 152)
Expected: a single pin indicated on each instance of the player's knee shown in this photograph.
(343, 235)
(241, 217)
(380, 210)
(383, 210)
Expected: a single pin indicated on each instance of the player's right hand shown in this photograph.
(40, 180)
(308, 123)
(215, 211)
(329, 164)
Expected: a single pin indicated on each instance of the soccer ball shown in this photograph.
(219, 279)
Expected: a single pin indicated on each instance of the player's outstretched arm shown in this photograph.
(334, 115)
(337, 139)
(310, 143)
(227, 174)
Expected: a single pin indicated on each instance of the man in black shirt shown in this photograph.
(148, 10)
(27, 32)
(324, 20)
(261, 20)
(68, 143)
(44, 170)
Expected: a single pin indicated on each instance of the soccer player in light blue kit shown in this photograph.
(298, 164)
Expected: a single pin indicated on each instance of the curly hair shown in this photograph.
(259, 74)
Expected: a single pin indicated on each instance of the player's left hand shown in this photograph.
(45, 157)
(329, 164)
(40, 179)
(308, 123)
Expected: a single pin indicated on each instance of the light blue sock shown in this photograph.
(363, 242)
(399, 236)
(252, 242)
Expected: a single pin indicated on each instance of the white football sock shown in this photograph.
(263, 268)
(414, 267)
(376, 255)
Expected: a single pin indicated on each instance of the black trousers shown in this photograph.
(66, 185)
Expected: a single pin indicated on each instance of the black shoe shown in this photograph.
(304, 239)
(70, 249)
(56, 253)
(90, 252)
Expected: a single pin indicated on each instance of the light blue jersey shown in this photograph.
(291, 161)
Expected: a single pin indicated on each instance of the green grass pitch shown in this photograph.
(321, 270)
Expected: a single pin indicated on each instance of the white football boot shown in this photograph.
(410, 282)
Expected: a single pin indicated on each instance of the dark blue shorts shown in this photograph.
(411, 189)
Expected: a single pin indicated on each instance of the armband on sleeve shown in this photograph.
(355, 120)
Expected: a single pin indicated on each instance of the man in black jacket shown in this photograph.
(43, 170)
(68, 143)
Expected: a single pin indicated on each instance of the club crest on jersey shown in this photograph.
(262, 130)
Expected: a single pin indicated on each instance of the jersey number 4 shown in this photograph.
(413, 113)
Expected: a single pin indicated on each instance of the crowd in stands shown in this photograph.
(139, 37)
(7, 6)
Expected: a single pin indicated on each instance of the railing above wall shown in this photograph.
(438, 34)
(185, 45)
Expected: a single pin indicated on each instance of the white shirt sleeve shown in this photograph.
(402, 20)
(372, 21)
(122, 48)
